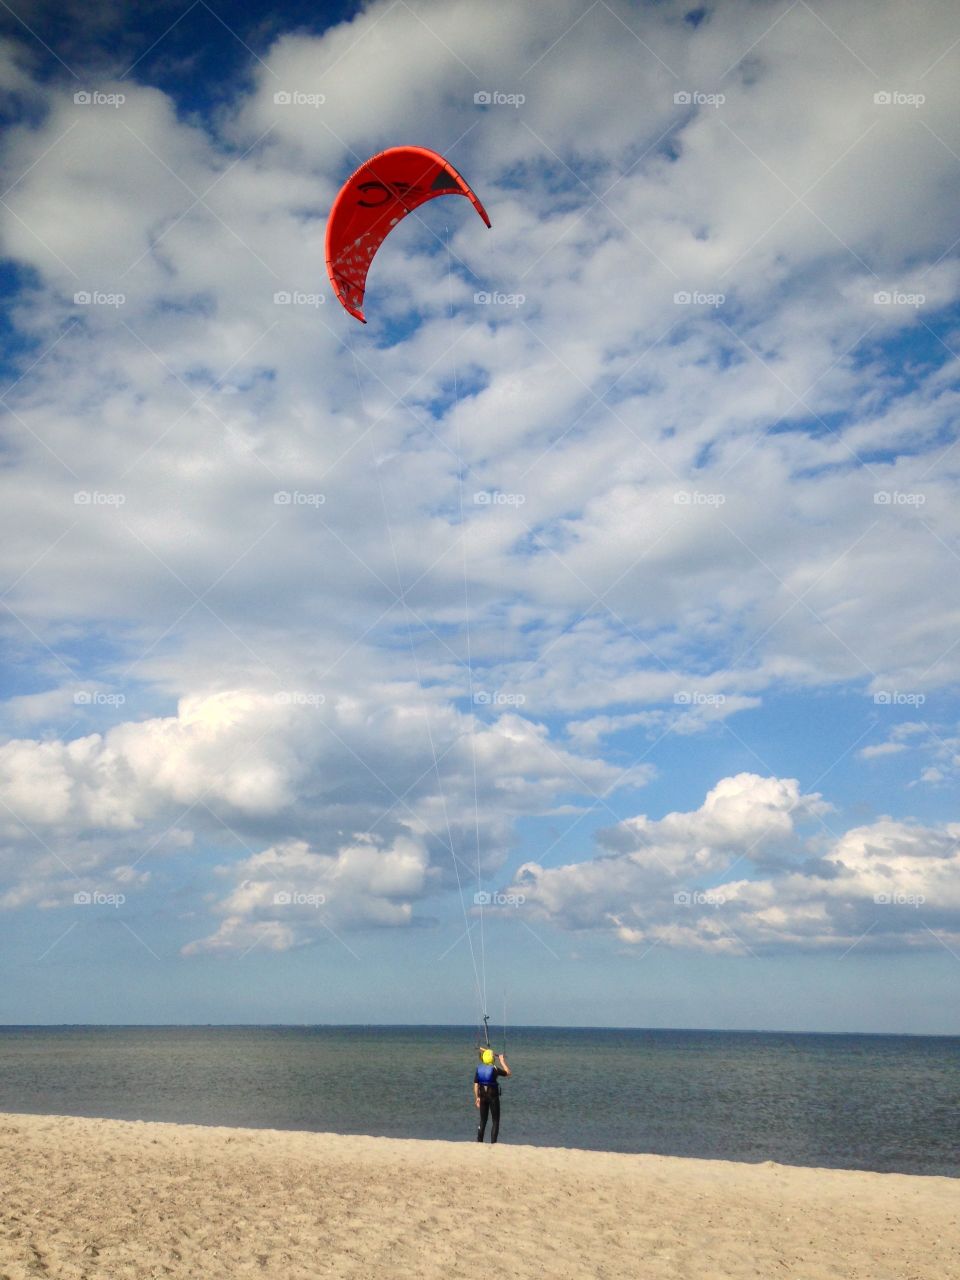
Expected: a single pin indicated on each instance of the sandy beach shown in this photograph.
(86, 1198)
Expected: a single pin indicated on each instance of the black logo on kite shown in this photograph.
(444, 182)
(384, 191)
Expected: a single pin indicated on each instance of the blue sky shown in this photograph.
(626, 601)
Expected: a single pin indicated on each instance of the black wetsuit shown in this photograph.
(488, 1088)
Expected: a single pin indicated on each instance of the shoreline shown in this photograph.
(93, 1197)
(335, 1134)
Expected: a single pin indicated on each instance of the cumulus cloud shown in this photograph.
(670, 880)
(403, 795)
(116, 781)
(290, 892)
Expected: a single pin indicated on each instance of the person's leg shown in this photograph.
(495, 1114)
(484, 1110)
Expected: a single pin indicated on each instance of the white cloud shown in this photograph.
(291, 892)
(211, 751)
(882, 749)
(420, 783)
(669, 881)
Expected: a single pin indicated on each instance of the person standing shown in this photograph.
(486, 1091)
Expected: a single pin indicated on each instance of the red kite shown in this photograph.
(371, 203)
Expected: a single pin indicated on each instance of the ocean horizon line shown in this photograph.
(470, 1026)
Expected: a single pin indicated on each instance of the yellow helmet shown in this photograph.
(487, 1056)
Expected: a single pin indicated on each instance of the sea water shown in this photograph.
(879, 1102)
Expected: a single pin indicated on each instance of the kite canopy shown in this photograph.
(371, 203)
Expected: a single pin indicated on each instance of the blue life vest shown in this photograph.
(486, 1074)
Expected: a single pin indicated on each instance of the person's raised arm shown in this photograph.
(503, 1065)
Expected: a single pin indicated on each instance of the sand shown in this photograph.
(123, 1199)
